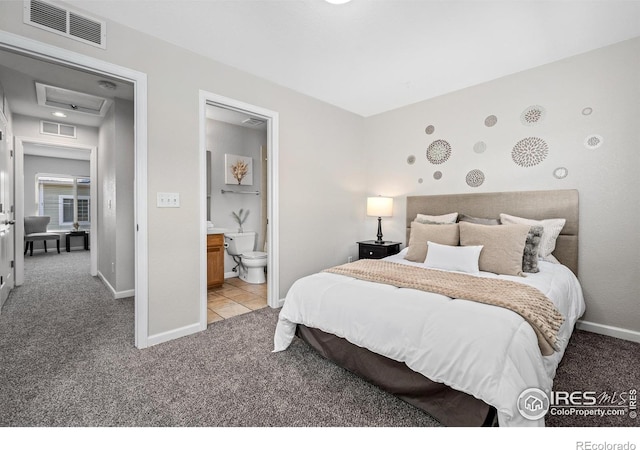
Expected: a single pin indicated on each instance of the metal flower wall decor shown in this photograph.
(439, 151)
(533, 115)
(529, 151)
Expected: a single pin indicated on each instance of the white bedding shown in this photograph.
(489, 352)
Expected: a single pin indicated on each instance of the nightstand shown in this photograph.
(373, 250)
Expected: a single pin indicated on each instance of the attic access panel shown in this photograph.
(60, 98)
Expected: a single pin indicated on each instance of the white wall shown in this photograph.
(607, 80)
(25, 126)
(225, 138)
(115, 197)
(321, 167)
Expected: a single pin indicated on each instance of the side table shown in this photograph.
(71, 234)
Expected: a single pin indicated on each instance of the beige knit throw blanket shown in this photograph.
(522, 299)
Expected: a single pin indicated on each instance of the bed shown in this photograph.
(463, 362)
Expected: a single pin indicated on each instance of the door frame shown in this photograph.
(19, 142)
(39, 50)
(273, 261)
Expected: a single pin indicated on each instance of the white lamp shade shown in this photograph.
(380, 206)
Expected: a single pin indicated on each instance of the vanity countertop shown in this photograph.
(218, 230)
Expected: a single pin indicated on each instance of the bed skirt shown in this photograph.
(448, 406)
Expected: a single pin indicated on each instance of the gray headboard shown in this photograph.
(530, 204)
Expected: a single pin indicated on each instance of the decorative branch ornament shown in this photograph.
(239, 170)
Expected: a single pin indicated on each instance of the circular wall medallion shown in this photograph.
(490, 121)
(475, 178)
(411, 159)
(560, 173)
(479, 147)
(587, 111)
(420, 180)
(593, 141)
(532, 115)
(439, 151)
(437, 175)
(430, 129)
(529, 152)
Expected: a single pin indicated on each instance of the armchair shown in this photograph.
(35, 229)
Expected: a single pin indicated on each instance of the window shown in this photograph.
(64, 198)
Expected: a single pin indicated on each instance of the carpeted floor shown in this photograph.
(67, 359)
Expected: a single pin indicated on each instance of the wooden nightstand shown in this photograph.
(372, 250)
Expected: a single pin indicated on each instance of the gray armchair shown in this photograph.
(35, 229)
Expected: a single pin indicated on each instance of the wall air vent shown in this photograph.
(59, 20)
(57, 129)
(253, 121)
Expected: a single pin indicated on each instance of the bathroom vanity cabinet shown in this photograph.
(215, 260)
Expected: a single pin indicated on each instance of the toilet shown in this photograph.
(251, 264)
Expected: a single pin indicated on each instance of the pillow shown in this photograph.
(503, 246)
(445, 218)
(552, 229)
(479, 220)
(447, 257)
(446, 234)
(530, 256)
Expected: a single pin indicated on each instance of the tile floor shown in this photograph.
(233, 298)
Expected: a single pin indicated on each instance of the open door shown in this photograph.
(6, 215)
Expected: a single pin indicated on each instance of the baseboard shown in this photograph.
(280, 303)
(114, 293)
(173, 334)
(606, 330)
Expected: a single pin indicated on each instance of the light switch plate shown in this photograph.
(168, 200)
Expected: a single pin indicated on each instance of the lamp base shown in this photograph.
(379, 241)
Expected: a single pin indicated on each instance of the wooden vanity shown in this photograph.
(215, 260)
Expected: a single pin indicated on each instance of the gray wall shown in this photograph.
(40, 164)
(313, 136)
(115, 197)
(223, 138)
(606, 80)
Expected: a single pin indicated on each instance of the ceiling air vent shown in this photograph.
(59, 20)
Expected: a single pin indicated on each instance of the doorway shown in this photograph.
(208, 99)
(37, 50)
(19, 143)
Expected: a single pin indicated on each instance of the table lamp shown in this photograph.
(380, 207)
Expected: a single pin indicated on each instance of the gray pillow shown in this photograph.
(530, 256)
(478, 220)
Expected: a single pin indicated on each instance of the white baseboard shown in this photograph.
(280, 303)
(114, 293)
(620, 333)
(230, 275)
(173, 334)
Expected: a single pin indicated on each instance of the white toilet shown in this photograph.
(251, 264)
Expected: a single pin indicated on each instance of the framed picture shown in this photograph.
(238, 170)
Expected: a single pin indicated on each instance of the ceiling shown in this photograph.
(19, 74)
(371, 56)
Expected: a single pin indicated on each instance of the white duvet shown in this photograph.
(489, 352)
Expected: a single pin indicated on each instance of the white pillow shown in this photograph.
(444, 218)
(551, 227)
(448, 257)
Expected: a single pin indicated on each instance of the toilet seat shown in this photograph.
(254, 255)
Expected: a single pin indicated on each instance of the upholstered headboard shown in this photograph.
(530, 204)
